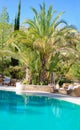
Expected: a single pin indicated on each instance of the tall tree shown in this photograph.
(15, 62)
(17, 18)
(49, 36)
(4, 31)
(4, 16)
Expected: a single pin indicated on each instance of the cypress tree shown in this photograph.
(15, 62)
(17, 18)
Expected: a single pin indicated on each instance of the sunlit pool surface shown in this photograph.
(21, 112)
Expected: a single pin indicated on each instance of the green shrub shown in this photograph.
(25, 82)
(16, 72)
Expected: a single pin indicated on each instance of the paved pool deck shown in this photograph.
(75, 100)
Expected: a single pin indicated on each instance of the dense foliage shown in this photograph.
(48, 46)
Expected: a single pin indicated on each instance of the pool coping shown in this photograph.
(75, 100)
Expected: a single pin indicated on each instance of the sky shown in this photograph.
(70, 7)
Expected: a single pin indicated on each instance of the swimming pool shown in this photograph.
(21, 112)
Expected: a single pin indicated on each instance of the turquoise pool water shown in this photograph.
(21, 112)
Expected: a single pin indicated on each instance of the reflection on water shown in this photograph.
(10, 102)
(31, 111)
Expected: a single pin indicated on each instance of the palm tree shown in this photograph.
(48, 35)
(45, 36)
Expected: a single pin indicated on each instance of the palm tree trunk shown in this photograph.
(27, 75)
(2, 67)
(52, 78)
(43, 72)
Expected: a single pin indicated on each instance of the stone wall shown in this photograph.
(45, 88)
